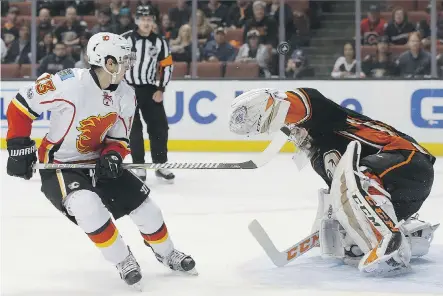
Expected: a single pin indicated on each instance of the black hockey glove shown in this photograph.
(22, 156)
(109, 166)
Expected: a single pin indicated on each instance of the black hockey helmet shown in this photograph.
(144, 10)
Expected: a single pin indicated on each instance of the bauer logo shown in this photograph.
(427, 108)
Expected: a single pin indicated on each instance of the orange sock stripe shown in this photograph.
(105, 235)
(157, 237)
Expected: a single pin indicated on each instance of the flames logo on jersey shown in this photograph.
(93, 130)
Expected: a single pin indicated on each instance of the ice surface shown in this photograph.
(207, 213)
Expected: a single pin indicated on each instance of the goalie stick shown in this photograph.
(280, 259)
(263, 158)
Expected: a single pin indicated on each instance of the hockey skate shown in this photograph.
(178, 261)
(165, 175)
(419, 234)
(130, 271)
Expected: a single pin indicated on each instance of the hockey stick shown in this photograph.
(280, 259)
(263, 158)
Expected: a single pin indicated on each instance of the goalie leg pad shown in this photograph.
(369, 219)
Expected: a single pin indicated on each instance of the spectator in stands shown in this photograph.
(239, 13)
(217, 13)
(125, 21)
(266, 26)
(180, 14)
(440, 65)
(56, 7)
(70, 30)
(414, 63)
(298, 66)
(300, 30)
(382, 64)
(167, 29)
(20, 48)
(115, 6)
(346, 65)
(4, 6)
(399, 27)
(104, 22)
(181, 47)
(83, 62)
(56, 61)
(372, 27)
(425, 30)
(10, 27)
(273, 9)
(3, 50)
(254, 52)
(45, 24)
(84, 7)
(219, 50)
(204, 29)
(45, 47)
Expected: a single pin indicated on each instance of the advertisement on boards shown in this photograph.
(198, 111)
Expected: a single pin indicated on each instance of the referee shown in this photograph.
(152, 54)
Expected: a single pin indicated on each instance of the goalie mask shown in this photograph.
(258, 111)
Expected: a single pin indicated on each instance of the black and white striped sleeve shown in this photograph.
(166, 67)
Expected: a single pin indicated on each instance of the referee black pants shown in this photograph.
(155, 118)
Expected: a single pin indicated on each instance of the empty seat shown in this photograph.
(9, 71)
(413, 16)
(25, 70)
(300, 5)
(242, 70)
(23, 7)
(397, 50)
(368, 50)
(165, 5)
(235, 34)
(90, 20)
(408, 5)
(180, 70)
(209, 69)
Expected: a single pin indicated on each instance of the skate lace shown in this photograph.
(128, 265)
(175, 259)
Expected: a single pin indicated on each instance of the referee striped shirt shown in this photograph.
(153, 55)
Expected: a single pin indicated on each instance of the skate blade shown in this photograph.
(166, 181)
(137, 286)
(192, 272)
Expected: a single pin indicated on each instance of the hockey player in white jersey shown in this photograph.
(377, 176)
(91, 117)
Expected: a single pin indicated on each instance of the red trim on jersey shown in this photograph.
(124, 123)
(72, 119)
(43, 149)
(19, 124)
(117, 147)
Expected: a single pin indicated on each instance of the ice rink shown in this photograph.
(207, 213)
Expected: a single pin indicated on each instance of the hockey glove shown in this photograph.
(22, 156)
(109, 166)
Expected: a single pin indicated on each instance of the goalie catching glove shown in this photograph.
(22, 156)
(258, 111)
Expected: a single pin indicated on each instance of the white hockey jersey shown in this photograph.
(85, 122)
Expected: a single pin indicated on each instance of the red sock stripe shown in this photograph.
(156, 236)
(104, 233)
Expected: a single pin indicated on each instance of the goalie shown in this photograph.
(378, 177)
